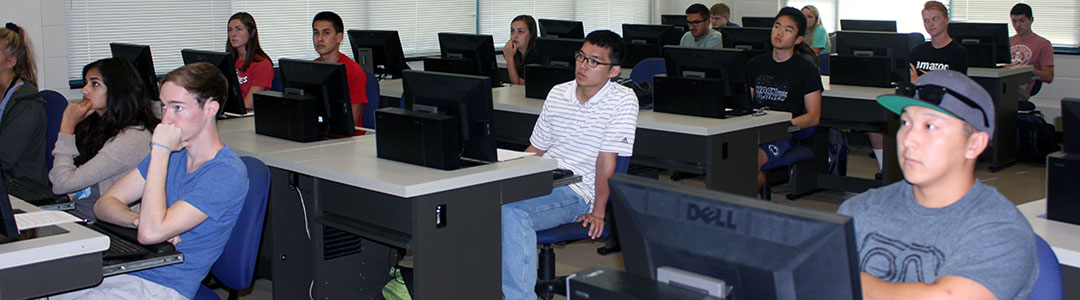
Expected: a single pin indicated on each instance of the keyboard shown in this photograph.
(120, 248)
(33, 192)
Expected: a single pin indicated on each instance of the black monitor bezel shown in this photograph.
(335, 111)
(552, 50)
(439, 89)
(755, 22)
(566, 29)
(477, 48)
(141, 57)
(385, 48)
(996, 33)
(899, 51)
(868, 25)
(225, 62)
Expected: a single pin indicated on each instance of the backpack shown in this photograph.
(1034, 137)
(838, 152)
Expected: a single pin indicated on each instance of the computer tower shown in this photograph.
(602, 283)
(873, 71)
(702, 97)
(1062, 192)
(542, 78)
(291, 117)
(427, 139)
(1070, 125)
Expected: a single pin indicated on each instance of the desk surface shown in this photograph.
(1063, 237)
(851, 91)
(999, 72)
(78, 240)
(352, 161)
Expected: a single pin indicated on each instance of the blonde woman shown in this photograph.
(816, 36)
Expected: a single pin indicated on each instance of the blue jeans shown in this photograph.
(520, 222)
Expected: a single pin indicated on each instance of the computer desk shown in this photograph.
(1004, 85)
(1064, 238)
(50, 264)
(724, 150)
(856, 108)
(359, 211)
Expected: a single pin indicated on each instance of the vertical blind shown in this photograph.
(495, 15)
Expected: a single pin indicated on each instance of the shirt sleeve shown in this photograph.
(811, 79)
(1046, 54)
(119, 155)
(716, 42)
(261, 73)
(215, 188)
(985, 247)
(619, 134)
(357, 83)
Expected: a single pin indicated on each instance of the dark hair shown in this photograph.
(252, 47)
(1021, 9)
(15, 43)
(331, 17)
(530, 23)
(126, 105)
(202, 80)
(795, 15)
(609, 40)
(698, 8)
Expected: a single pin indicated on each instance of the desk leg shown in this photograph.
(731, 162)
(1005, 93)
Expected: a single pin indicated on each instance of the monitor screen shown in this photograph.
(763, 250)
(8, 228)
(755, 40)
(466, 97)
(561, 29)
(234, 101)
(987, 44)
(679, 21)
(865, 43)
(645, 41)
(728, 65)
(470, 54)
(327, 82)
(385, 45)
(868, 25)
(758, 22)
(139, 56)
(559, 52)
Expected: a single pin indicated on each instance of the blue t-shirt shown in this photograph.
(218, 189)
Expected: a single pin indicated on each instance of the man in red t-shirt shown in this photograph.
(327, 32)
(1028, 48)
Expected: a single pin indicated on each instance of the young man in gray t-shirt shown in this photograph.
(941, 233)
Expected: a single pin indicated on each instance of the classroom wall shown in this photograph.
(45, 22)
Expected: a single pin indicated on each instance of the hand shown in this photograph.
(73, 114)
(174, 240)
(168, 135)
(914, 74)
(509, 49)
(595, 224)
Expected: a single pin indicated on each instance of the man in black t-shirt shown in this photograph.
(942, 52)
(786, 84)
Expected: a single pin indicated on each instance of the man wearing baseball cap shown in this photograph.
(941, 233)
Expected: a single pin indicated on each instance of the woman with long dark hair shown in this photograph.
(254, 70)
(103, 136)
(521, 49)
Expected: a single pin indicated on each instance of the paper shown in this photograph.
(43, 218)
(505, 155)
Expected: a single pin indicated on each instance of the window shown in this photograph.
(495, 15)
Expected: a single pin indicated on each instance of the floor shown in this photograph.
(1021, 183)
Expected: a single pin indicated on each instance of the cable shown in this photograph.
(307, 228)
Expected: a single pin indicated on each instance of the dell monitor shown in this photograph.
(727, 65)
(466, 54)
(561, 29)
(896, 46)
(466, 97)
(139, 56)
(234, 101)
(868, 25)
(987, 44)
(679, 21)
(645, 41)
(762, 250)
(328, 84)
(758, 22)
(559, 52)
(754, 40)
(385, 47)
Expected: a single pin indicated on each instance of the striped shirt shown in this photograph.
(574, 134)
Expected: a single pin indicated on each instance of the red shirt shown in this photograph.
(259, 73)
(357, 81)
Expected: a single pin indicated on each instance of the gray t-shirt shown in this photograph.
(982, 237)
(712, 39)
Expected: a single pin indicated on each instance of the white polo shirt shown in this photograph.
(574, 134)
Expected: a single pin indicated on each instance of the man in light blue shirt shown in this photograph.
(700, 33)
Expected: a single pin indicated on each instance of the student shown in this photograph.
(22, 110)
(521, 49)
(327, 32)
(699, 33)
(254, 69)
(721, 16)
(816, 37)
(192, 188)
(584, 125)
(1029, 48)
(102, 137)
(941, 233)
(941, 52)
(785, 84)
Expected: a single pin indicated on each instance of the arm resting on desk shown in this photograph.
(812, 102)
(537, 151)
(1046, 75)
(948, 287)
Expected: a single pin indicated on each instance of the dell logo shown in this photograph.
(711, 215)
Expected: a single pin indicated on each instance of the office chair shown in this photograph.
(55, 103)
(823, 63)
(275, 85)
(1036, 86)
(645, 69)
(235, 268)
(367, 120)
(798, 167)
(547, 285)
(1049, 284)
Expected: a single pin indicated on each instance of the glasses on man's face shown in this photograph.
(592, 63)
(933, 94)
(695, 23)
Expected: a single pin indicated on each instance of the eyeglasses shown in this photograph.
(933, 94)
(695, 23)
(592, 63)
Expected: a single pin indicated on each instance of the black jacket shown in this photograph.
(22, 135)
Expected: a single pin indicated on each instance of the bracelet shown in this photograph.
(160, 145)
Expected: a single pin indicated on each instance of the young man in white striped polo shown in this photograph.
(584, 125)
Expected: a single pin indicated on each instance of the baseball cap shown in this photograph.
(948, 92)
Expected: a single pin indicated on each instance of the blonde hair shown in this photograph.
(720, 9)
(936, 6)
(17, 45)
(809, 35)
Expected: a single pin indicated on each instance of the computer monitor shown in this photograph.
(385, 46)
(466, 97)
(234, 101)
(139, 56)
(763, 250)
(679, 21)
(758, 22)
(8, 228)
(754, 40)
(987, 44)
(881, 44)
(562, 29)
(645, 41)
(467, 54)
(868, 25)
(559, 52)
(329, 84)
(728, 65)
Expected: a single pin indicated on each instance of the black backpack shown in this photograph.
(1034, 137)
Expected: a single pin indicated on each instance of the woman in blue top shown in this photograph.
(815, 36)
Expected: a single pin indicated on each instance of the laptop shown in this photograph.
(126, 255)
(37, 194)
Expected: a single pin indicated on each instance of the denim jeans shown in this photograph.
(520, 222)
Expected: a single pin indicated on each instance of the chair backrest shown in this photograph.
(54, 112)
(823, 63)
(622, 164)
(1036, 86)
(915, 39)
(645, 69)
(236, 266)
(1049, 283)
(367, 120)
(275, 85)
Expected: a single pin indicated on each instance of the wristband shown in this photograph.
(160, 145)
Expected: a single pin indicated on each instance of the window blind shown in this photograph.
(1055, 20)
